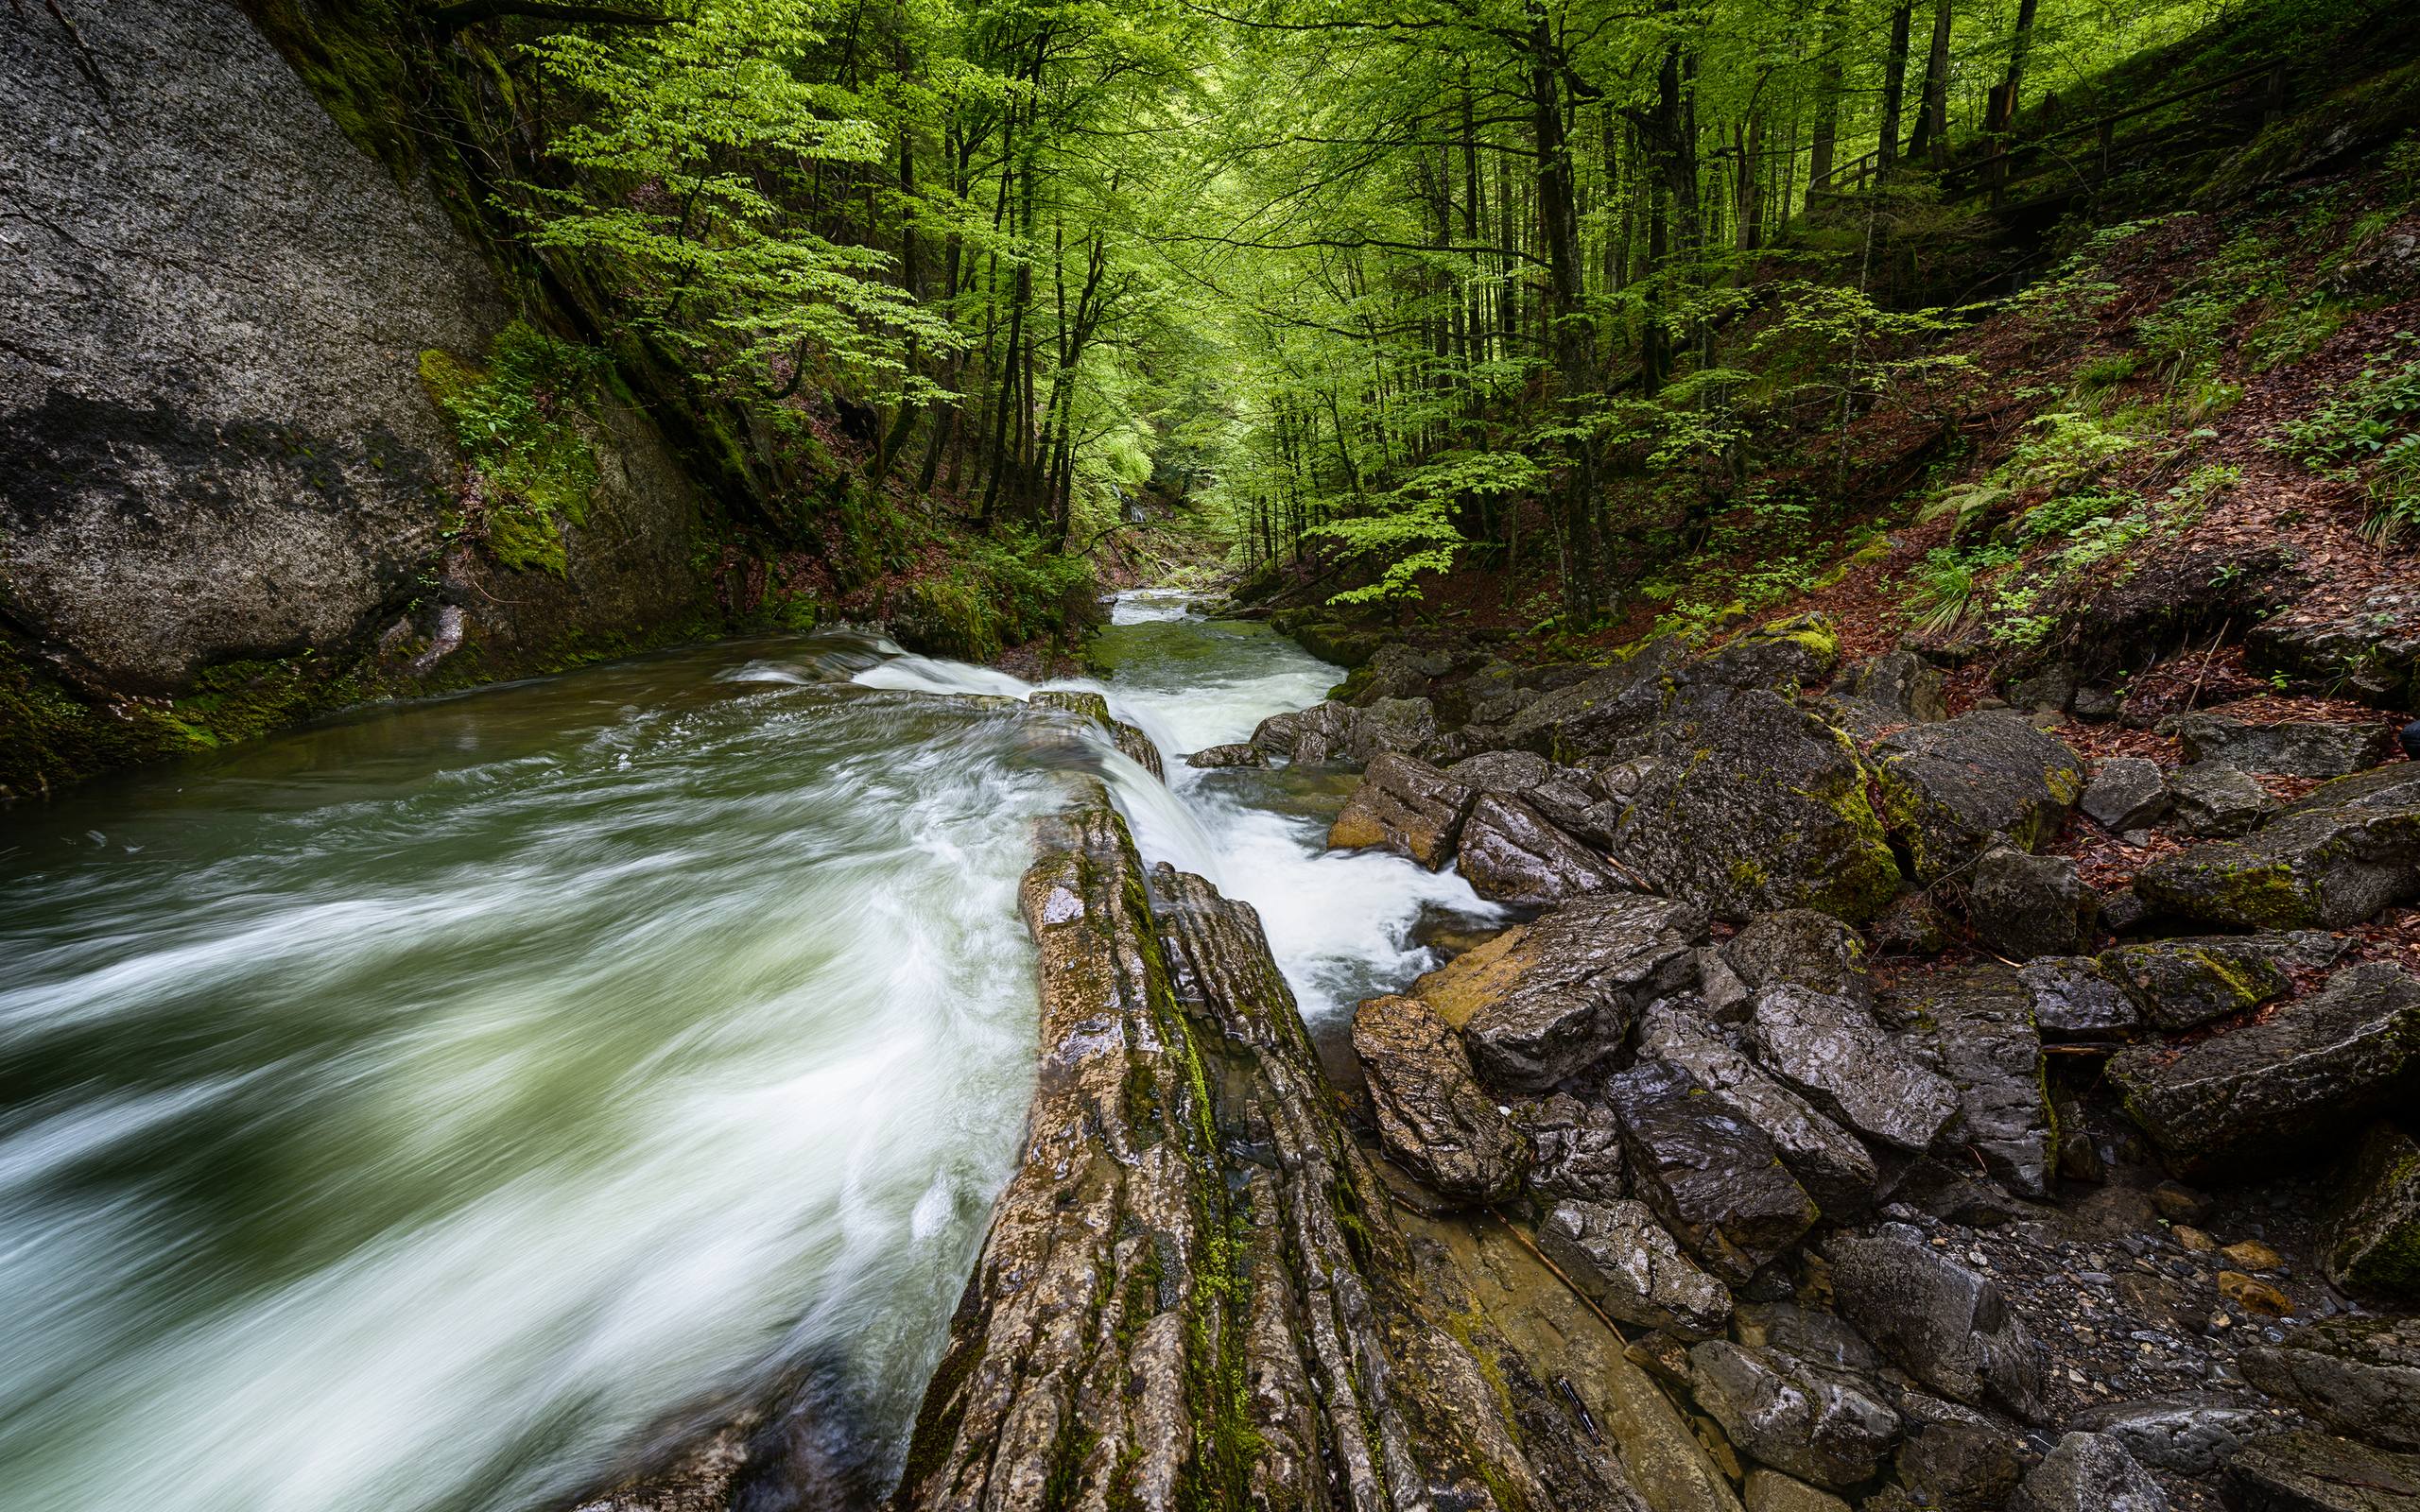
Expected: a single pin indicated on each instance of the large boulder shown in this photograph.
(1951, 790)
(1801, 947)
(1755, 804)
(1954, 1458)
(2360, 1376)
(2075, 998)
(1547, 998)
(2333, 859)
(2213, 800)
(2308, 1471)
(2298, 748)
(1900, 683)
(2315, 1070)
(1513, 772)
(2180, 983)
(2192, 1436)
(1939, 1321)
(2126, 792)
(1406, 806)
(1609, 716)
(1236, 753)
(1785, 655)
(1981, 1021)
(1432, 1115)
(2088, 1472)
(1819, 1425)
(1834, 1052)
(1618, 1255)
(2026, 905)
(1306, 736)
(1509, 855)
(2369, 1236)
(1712, 1175)
(1129, 739)
(1835, 1170)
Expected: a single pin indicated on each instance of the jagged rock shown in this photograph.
(1578, 1149)
(1547, 999)
(2079, 1157)
(2335, 858)
(1510, 856)
(2180, 983)
(1772, 1492)
(1397, 670)
(1432, 1116)
(2315, 1070)
(1949, 790)
(1982, 1020)
(2088, 1472)
(1932, 1185)
(1900, 682)
(2212, 801)
(1608, 717)
(1939, 1321)
(1954, 1458)
(2121, 910)
(1572, 803)
(2296, 747)
(1725, 997)
(1835, 1169)
(2359, 1376)
(1801, 947)
(1803, 1333)
(2096, 704)
(2075, 998)
(2126, 792)
(1129, 740)
(1831, 1050)
(1391, 724)
(1308, 737)
(1712, 1175)
(1755, 804)
(1784, 655)
(2026, 905)
(1241, 753)
(1406, 806)
(1817, 1425)
(2369, 1236)
(2325, 638)
(2409, 738)
(1501, 771)
(2307, 1472)
(2192, 1436)
(1619, 1256)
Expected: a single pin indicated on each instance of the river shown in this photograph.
(419, 1111)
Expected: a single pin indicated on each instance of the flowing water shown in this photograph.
(418, 1111)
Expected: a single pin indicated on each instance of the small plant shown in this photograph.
(530, 471)
(1947, 585)
(2368, 433)
(2293, 334)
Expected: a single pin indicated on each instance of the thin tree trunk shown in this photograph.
(1894, 86)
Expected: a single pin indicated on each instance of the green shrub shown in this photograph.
(2368, 432)
(515, 420)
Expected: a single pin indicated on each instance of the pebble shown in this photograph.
(2253, 1255)
(2253, 1296)
(2193, 1239)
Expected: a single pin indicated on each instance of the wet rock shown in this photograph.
(1391, 724)
(1570, 801)
(2075, 998)
(1900, 682)
(1547, 998)
(2314, 1071)
(2296, 747)
(2409, 738)
(2358, 1376)
(2254, 1295)
(1804, 1333)
(1129, 739)
(2335, 858)
(1832, 1051)
(1347, 645)
(2178, 1203)
(1772, 1492)
(1397, 670)
(1307, 737)
(1720, 992)
(2180, 983)
(1712, 1177)
(2126, 792)
(1510, 856)
(1818, 1425)
(1433, 1118)
(1949, 790)
(2308, 1472)
(2088, 1472)
(1621, 1257)
(1755, 804)
(1608, 717)
(2191, 1435)
(1241, 753)
(1931, 1185)
(1801, 947)
(1955, 1459)
(1578, 1149)
(1514, 772)
(1835, 1169)
(2026, 905)
(1784, 655)
(1939, 1321)
(2369, 1236)
(1405, 806)
(2212, 801)
(1981, 1020)
(1913, 925)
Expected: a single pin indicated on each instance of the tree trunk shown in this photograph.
(1894, 87)
(2019, 42)
(1932, 118)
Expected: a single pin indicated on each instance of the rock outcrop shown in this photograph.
(1406, 806)
(2334, 858)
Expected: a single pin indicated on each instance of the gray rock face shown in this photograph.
(2334, 858)
(1621, 1256)
(1550, 998)
(2075, 998)
(2187, 1435)
(1785, 656)
(1900, 682)
(2369, 1236)
(1752, 805)
(2213, 800)
(1801, 947)
(1501, 771)
(212, 428)
(2089, 1473)
(1982, 1020)
(1955, 1459)
(1397, 670)
(1832, 1051)
(2360, 1377)
(1607, 718)
(1835, 1170)
(2317, 1069)
(1240, 753)
(1711, 1175)
(1432, 1115)
(1129, 739)
(2126, 792)
(2306, 1472)
(2026, 905)
(1816, 1425)
(2297, 747)
(2180, 983)
(1510, 856)
(1942, 1323)
(1949, 790)
(1405, 806)
(1578, 1149)
(1308, 737)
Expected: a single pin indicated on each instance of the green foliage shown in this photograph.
(2293, 333)
(2369, 432)
(1410, 530)
(995, 592)
(1948, 584)
(516, 421)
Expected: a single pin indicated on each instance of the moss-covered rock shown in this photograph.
(1950, 791)
(2334, 858)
